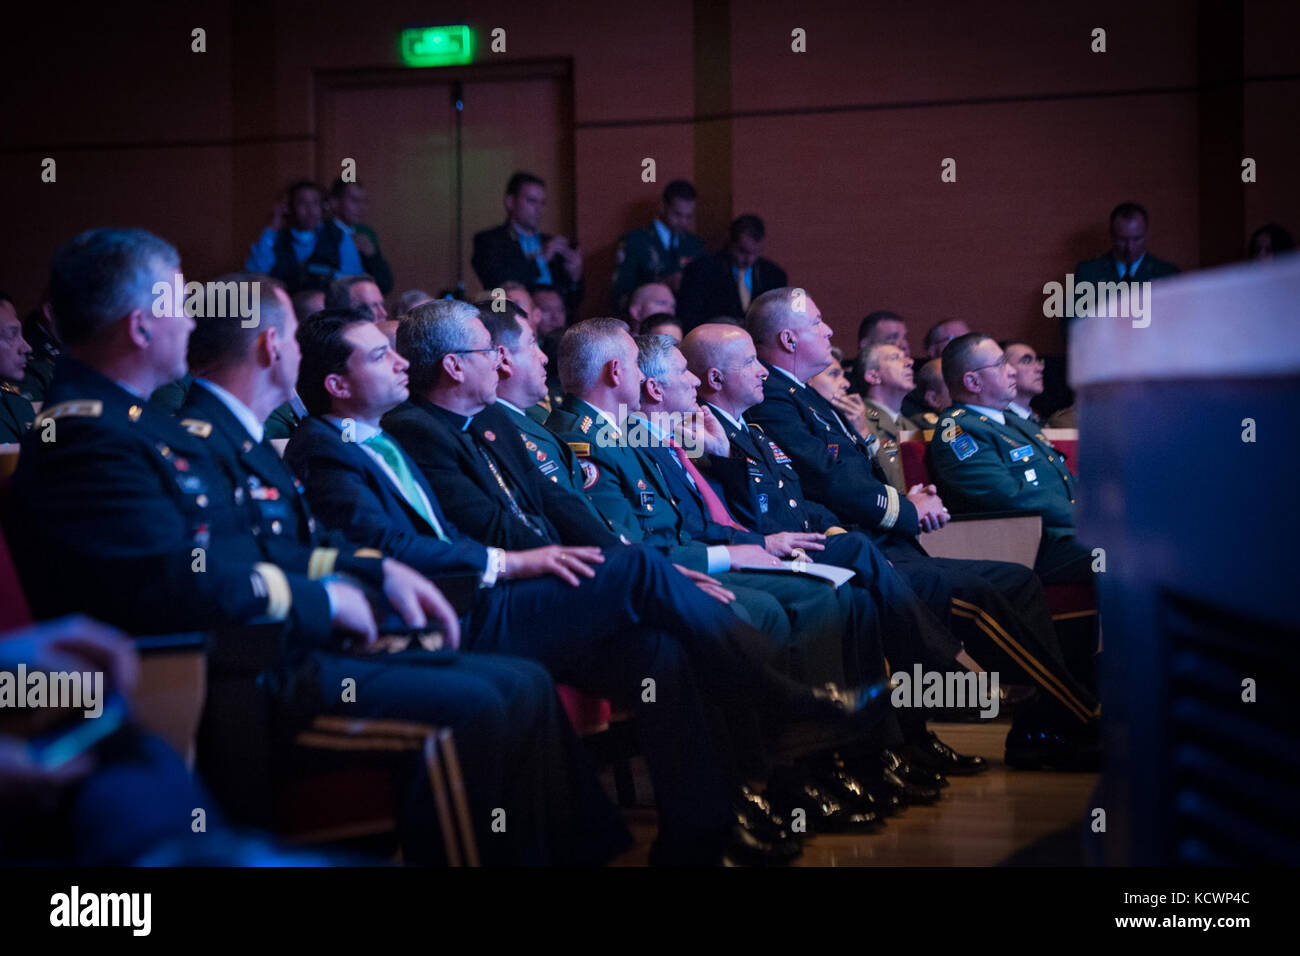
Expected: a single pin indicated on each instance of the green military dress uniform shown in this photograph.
(886, 430)
(981, 464)
(16, 413)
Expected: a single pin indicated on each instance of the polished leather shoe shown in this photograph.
(762, 826)
(744, 848)
(1052, 750)
(931, 753)
(826, 811)
(831, 701)
(761, 804)
(910, 773)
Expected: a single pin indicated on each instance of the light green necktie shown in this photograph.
(385, 447)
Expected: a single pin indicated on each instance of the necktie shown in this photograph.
(742, 288)
(712, 503)
(386, 449)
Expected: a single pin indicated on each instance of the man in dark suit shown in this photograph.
(725, 283)
(126, 516)
(645, 636)
(997, 608)
(518, 250)
(658, 252)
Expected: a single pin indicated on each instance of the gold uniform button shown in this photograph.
(134, 412)
(201, 501)
(1050, 458)
(781, 483)
(757, 480)
(276, 527)
(792, 503)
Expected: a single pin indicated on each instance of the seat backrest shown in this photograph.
(1066, 440)
(916, 470)
(14, 609)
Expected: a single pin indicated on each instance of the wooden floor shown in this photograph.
(980, 821)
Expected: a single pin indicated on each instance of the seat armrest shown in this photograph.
(1012, 537)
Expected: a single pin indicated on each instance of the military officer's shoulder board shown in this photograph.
(77, 408)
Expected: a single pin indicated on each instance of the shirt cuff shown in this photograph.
(719, 559)
(496, 560)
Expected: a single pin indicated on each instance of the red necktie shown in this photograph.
(712, 503)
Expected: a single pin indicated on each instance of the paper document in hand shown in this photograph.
(827, 572)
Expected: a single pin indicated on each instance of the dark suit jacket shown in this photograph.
(695, 517)
(498, 258)
(709, 289)
(1105, 269)
(451, 457)
(835, 469)
(642, 258)
(347, 490)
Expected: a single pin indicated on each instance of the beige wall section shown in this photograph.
(196, 146)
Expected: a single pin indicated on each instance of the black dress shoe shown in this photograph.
(760, 825)
(831, 701)
(909, 773)
(1052, 750)
(746, 849)
(760, 804)
(825, 811)
(931, 753)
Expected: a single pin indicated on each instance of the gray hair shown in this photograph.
(431, 331)
(769, 315)
(870, 359)
(586, 349)
(653, 355)
(103, 274)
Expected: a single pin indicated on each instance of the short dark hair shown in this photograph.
(868, 325)
(502, 325)
(325, 352)
(1279, 239)
(100, 275)
(661, 318)
(1127, 210)
(679, 189)
(339, 187)
(223, 340)
(521, 179)
(746, 225)
(932, 335)
(956, 359)
(339, 293)
(303, 184)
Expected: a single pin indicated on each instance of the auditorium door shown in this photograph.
(400, 128)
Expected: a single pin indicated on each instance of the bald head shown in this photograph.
(723, 358)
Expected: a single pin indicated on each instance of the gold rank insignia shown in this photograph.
(77, 408)
(198, 429)
(585, 425)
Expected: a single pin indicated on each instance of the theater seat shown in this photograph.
(1065, 440)
(1001, 536)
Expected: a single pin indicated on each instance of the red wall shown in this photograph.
(839, 148)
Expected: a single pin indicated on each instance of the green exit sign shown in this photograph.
(436, 46)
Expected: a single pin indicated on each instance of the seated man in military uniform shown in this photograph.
(123, 514)
(987, 458)
(16, 412)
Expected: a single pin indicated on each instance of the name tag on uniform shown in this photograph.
(1023, 453)
(647, 499)
(963, 446)
(1031, 475)
(762, 503)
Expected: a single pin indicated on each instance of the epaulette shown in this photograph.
(77, 408)
(197, 428)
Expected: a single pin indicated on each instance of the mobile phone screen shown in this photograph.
(53, 750)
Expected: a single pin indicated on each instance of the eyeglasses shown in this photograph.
(1000, 363)
(493, 349)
